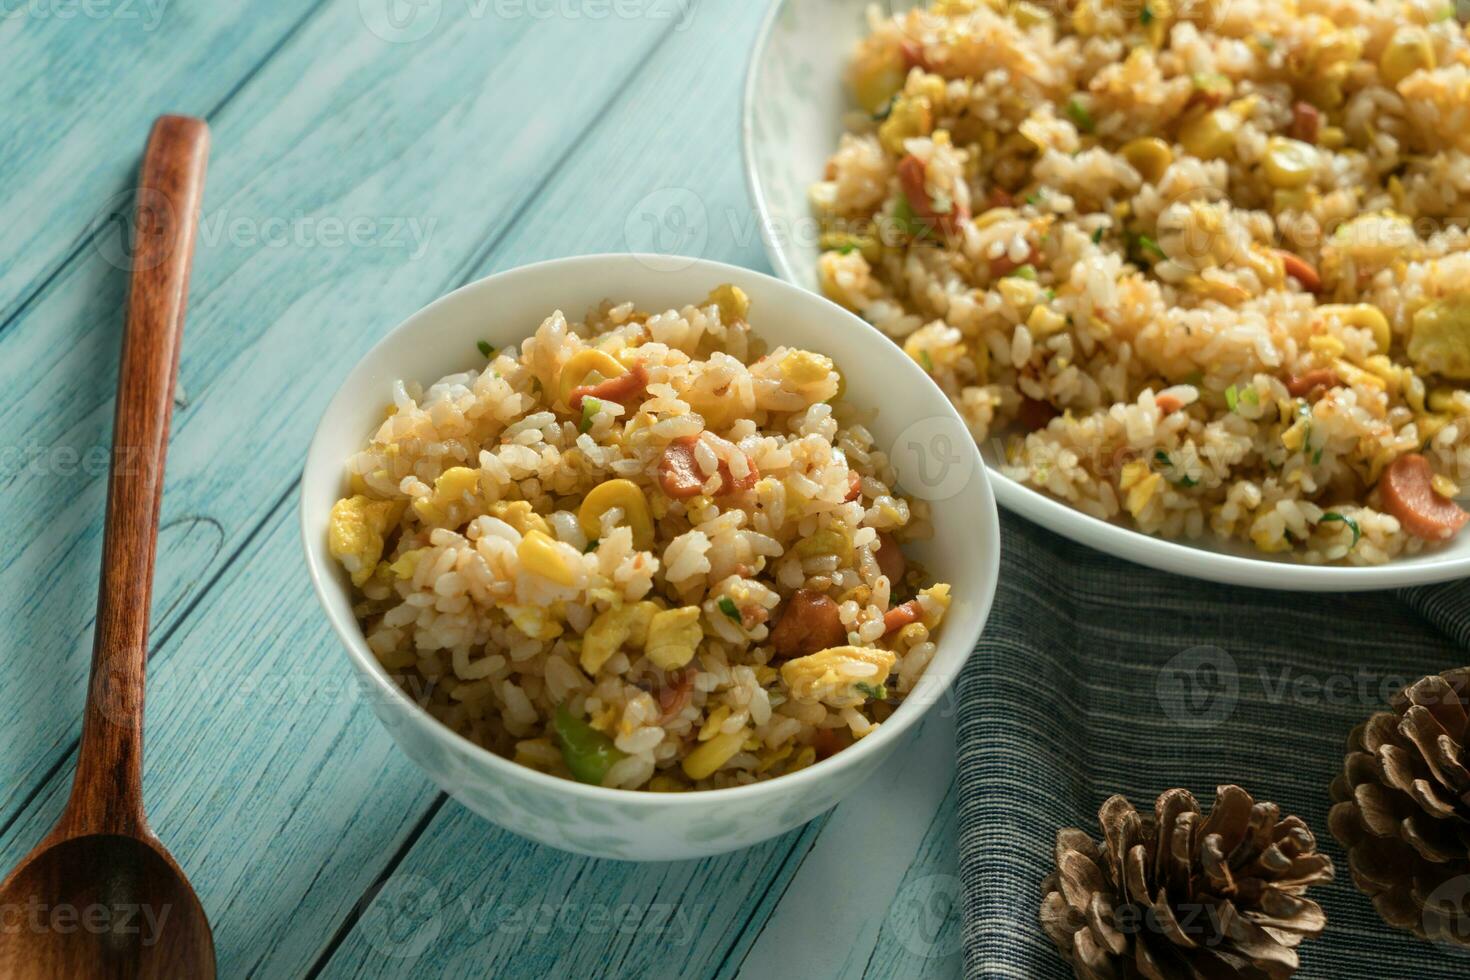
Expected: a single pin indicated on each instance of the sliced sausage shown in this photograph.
(619, 389)
(680, 476)
(1306, 122)
(891, 561)
(913, 55)
(902, 615)
(1034, 415)
(1301, 270)
(1168, 403)
(1004, 265)
(1408, 494)
(810, 623)
(1304, 384)
(912, 177)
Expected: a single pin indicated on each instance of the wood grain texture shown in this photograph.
(308, 803)
(86, 80)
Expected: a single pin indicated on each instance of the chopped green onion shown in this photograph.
(907, 220)
(1049, 293)
(1147, 244)
(847, 249)
(486, 349)
(727, 606)
(1027, 271)
(1252, 397)
(1232, 397)
(1332, 516)
(1186, 482)
(1079, 115)
(591, 546)
(590, 408)
(1145, 16)
(1034, 198)
(1097, 235)
(927, 361)
(879, 693)
(1195, 378)
(1162, 457)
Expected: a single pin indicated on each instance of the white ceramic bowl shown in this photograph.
(927, 443)
(794, 102)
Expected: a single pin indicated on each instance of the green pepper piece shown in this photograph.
(589, 754)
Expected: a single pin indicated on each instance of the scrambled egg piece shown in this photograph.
(829, 675)
(453, 487)
(355, 533)
(1440, 343)
(673, 637)
(519, 515)
(731, 300)
(534, 621)
(611, 629)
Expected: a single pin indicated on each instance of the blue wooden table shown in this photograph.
(369, 155)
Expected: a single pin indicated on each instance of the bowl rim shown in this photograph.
(324, 582)
(1116, 540)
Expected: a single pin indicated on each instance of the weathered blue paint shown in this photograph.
(499, 137)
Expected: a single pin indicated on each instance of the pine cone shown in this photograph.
(1181, 895)
(1403, 808)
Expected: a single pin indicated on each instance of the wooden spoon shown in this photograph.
(101, 896)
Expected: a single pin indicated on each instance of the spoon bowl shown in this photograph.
(101, 905)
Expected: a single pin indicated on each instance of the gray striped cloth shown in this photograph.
(1096, 676)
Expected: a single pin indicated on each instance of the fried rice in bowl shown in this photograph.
(611, 541)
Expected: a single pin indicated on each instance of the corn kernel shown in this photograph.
(583, 365)
(1150, 156)
(1408, 52)
(1289, 163)
(704, 761)
(540, 555)
(626, 496)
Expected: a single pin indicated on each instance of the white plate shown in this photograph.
(794, 102)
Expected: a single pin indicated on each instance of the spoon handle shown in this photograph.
(107, 794)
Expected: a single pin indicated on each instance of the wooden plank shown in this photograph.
(851, 883)
(254, 904)
(273, 786)
(343, 125)
(87, 79)
(920, 937)
(490, 904)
